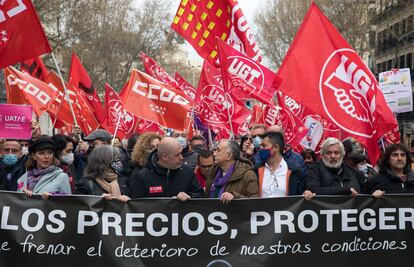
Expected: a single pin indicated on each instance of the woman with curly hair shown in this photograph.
(146, 143)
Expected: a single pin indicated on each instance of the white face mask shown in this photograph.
(25, 150)
(182, 141)
(68, 158)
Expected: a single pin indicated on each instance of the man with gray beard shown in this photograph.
(331, 176)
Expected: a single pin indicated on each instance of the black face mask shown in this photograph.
(198, 148)
(117, 167)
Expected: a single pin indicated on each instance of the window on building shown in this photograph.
(404, 26)
(409, 61)
(379, 67)
(389, 65)
(410, 23)
(402, 62)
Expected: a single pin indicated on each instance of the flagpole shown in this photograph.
(210, 138)
(66, 90)
(228, 112)
(116, 130)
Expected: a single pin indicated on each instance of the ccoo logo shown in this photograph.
(347, 90)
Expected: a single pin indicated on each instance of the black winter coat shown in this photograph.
(390, 183)
(325, 181)
(156, 181)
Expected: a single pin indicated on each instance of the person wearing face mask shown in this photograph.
(11, 165)
(189, 156)
(103, 175)
(64, 152)
(197, 143)
(276, 177)
(25, 147)
(358, 160)
(165, 175)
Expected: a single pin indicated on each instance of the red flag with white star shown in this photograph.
(21, 34)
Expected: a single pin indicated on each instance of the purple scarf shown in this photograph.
(220, 181)
(34, 176)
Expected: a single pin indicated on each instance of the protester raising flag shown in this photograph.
(83, 82)
(200, 22)
(187, 88)
(155, 101)
(24, 89)
(21, 34)
(324, 73)
(244, 78)
(35, 67)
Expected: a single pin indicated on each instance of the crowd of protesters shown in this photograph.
(260, 164)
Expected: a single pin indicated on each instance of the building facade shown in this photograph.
(392, 46)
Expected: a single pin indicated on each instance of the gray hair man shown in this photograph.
(330, 176)
(232, 177)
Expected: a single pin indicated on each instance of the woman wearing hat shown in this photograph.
(43, 176)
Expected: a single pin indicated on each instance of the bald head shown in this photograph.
(276, 129)
(169, 153)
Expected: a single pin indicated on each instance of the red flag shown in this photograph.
(35, 67)
(21, 34)
(326, 75)
(214, 105)
(148, 126)
(114, 109)
(60, 108)
(157, 72)
(84, 115)
(81, 81)
(245, 78)
(31, 90)
(187, 88)
(155, 101)
(200, 22)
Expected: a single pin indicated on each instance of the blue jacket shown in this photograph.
(55, 182)
(10, 174)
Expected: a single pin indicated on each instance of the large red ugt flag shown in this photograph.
(21, 35)
(323, 72)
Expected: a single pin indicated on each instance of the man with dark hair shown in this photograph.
(276, 177)
(232, 177)
(256, 133)
(11, 165)
(197, 143)
(205, 162)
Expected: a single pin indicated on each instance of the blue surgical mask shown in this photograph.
(257, 141)
(10, 159)
(264, 154)
(363, 169)
(116, 166)
(182, 141)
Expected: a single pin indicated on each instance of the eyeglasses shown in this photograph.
(257, 135)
